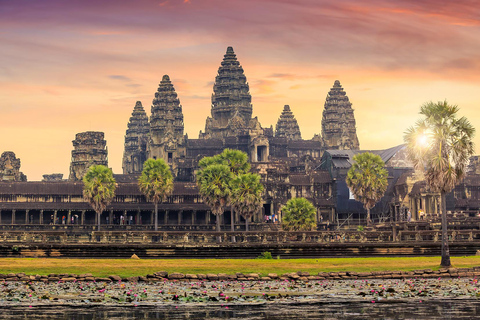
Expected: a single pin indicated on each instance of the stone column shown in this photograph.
(424, 205)
(41, 217)
(26, 216)
(194, 216)
(69, 217)
(152, 216)
(13, 216)
(110, 217)
(165, 218)
(207, 217)
(138, 217)
(82, 218)
(180, 214)
(417, 209)
(436, 205)
(55, 217)
(125, 217)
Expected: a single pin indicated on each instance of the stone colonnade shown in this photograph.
(120, 217)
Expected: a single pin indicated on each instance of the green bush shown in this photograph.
(265, 255)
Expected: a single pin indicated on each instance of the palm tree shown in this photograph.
(214, 187)
(99, 188)
(237, 162)
(247, 195)
(298, 215)
(156, 183)
(367, 179)
(440, 146)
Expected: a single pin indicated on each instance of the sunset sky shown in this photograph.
(80, 65)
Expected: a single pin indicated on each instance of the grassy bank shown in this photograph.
(130, 267)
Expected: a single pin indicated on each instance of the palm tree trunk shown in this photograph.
(369, 222)
(156, 216)
(219, 237)
(445, 250)
(232, 215)
(217, 221)
(98, 218)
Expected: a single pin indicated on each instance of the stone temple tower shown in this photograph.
(136, 139)
(166, 124)
(231, 101)
(338, 122)
(287, 126)
(89, 148)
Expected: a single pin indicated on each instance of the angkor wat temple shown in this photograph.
(289, 165)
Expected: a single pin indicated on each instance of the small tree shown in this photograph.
(440, 146)
(156, 183)
(367, 179)
(247, 195)
(99, 188)
(298, 215)
(214, 186)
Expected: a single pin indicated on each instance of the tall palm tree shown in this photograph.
(247, 195)
(367, 179)
(214, 187)
(99, 188)
(440, 145)
(156, 183)
(298, 214)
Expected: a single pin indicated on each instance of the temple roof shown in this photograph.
(344, 158)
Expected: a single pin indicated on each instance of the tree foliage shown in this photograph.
(156, 183)
(235, 160)
(440, 145)
(367, 180)
(156, 180)
(298, 215)
(99, 188)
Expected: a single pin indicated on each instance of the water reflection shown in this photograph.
(435, 309)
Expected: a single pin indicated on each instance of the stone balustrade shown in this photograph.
(211, 237)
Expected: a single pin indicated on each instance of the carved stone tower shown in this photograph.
(10, 168)
(89, 148)
(287, 126)
(338, 122)
(166, 124)
(136, 139)
(231, 101)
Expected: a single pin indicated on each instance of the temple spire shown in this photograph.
(136, 139)
(231, 98)
(338, 121)
(166, 123)
(287, 126)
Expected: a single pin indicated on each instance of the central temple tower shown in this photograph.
(231, 101)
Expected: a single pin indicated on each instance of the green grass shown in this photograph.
(130, 267)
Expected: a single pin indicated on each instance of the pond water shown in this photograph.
(432, 309)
